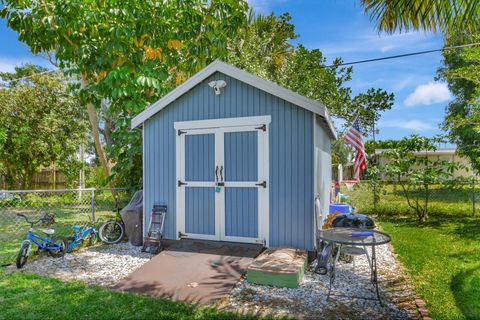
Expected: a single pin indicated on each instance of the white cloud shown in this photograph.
(368, 42)
(264, 6)
(387, 48)
(426, 94)
(415, 125)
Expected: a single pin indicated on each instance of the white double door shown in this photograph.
(222, 179)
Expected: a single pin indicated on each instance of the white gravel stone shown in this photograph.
(104, 265)
(309, 300)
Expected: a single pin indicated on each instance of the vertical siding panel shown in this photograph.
(306, 157)
(300, 181)
(291, 158)
(283, 175)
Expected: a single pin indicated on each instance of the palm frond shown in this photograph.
(427, 15)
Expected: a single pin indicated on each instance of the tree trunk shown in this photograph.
(92, 117)
(108, 130)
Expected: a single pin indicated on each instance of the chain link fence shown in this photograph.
(455, 197)
(68, 206)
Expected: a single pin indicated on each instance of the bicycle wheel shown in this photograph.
(62, 242)
(22, 255)
(111, 232)
(92, 238)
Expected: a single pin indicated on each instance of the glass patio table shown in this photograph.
(357, 239)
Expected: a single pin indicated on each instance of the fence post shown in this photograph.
(92, 202)
(473, 195)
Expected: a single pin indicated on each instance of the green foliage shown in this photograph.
(340, 152)
(129, 52)
(442, 258)
(375, 184)
(42, 124)
(264, 48)
(371, 146)
(368, 106)
(415, 172)
(95, 177)
(441, 255)
(462, 120)
(25, 296)
(427, 15)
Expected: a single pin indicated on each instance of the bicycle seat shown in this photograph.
(49, 231)
(76, 228)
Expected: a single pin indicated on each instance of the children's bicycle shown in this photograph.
(112, 231)
(54, 245)
(80, 235)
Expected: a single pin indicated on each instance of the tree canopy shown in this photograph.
(264, 48)
(42, 124)
(416, 174)
(127, 54)
(462, 72)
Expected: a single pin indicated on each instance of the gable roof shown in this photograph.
(241, 75)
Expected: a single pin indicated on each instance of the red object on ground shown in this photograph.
(194, 271)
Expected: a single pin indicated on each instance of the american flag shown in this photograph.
(354, 137)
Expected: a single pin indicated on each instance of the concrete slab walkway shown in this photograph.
(194, 271)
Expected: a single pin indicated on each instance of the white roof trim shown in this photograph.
(231, 71)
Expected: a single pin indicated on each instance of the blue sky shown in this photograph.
(340, 29)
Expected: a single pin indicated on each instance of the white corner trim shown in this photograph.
(222, 122)
(239, 74)
(218, 128)
(143, 183)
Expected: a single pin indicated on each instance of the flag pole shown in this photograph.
(351, 125)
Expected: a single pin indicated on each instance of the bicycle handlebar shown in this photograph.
(28, 221)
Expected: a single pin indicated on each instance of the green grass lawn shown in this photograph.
(13, 229)
(28, 296)
(442, 255)
(67, 208)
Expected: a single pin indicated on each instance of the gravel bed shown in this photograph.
(309, 300)
(104, 265)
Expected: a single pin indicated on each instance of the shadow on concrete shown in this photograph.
(194, 271)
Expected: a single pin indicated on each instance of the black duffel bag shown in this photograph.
(353, 220)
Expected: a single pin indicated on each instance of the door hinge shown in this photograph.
(262, 184)
(180, 132)
(180, 183)
(181, 235)
(263, 127)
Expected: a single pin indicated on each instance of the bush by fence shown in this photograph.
(69, 206)
(458, 198)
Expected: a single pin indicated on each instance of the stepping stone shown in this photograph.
(280, 267)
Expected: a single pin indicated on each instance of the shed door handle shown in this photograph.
(221, 173)
(216, 174)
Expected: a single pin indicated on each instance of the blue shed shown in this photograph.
(236, 158)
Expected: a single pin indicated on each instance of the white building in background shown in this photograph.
(438, 155)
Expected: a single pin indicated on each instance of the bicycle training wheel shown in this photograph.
(111, 232)
(62, 243)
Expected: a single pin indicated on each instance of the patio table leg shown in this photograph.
(332, 272)
(374, 274)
